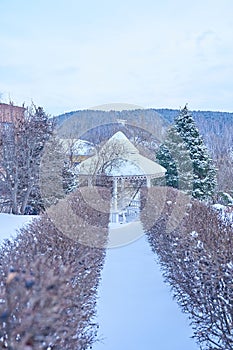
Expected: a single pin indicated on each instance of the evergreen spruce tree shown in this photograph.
(186, 158)
(173, 155)
(70, 182)
(165, 159)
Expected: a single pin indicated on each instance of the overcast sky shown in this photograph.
(71, 54)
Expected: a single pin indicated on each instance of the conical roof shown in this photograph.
(119, 157)
(120, 141)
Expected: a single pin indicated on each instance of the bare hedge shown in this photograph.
(48, 283)
(197, 261)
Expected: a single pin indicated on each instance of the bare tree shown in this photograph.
(21, 147)
(70, 148)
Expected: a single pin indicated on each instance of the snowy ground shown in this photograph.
(135, 307)
(9, 224)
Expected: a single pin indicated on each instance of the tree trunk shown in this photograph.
(15, 209)
(25, 199)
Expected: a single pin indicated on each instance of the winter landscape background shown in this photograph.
(116, 175)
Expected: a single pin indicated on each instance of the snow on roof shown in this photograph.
(119, 157)
(78, 146)
(120, 141)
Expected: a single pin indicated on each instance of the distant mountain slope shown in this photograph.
(167, 114)
(80, 124)
(201, 117)
(216, 128)
(212, 125)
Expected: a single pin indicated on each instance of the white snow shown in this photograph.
(135, 307)
(123, 167)
(194, 234)
(79, 146)
(226, 212)
(218, 206)
(9, 224)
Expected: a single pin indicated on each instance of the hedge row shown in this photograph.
(195, 248)
(49, 278)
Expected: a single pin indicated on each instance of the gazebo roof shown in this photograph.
(119, 157)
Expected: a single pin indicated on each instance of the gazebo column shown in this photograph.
(148, 182)
(122, 183)
(115, 194)
(89, 181)
(116, 218)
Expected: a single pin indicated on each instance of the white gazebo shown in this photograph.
(121, 163)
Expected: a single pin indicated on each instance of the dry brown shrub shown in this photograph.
(48, 285)
(197, 261)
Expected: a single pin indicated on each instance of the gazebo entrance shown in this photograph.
(119, 162)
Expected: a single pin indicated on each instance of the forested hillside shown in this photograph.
(211, 125)
(216, 128)
(207, 121)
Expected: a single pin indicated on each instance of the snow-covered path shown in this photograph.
(135, 307)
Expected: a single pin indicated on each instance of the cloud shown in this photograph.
(145, 55)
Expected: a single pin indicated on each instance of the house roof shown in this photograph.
(119, 157)
(78, 146)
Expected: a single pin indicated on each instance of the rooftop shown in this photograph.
(119, 157)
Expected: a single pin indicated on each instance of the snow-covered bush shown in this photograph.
(48, 284)
(197, 261)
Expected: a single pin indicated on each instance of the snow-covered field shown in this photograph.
(9, 224)
(135, 307)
